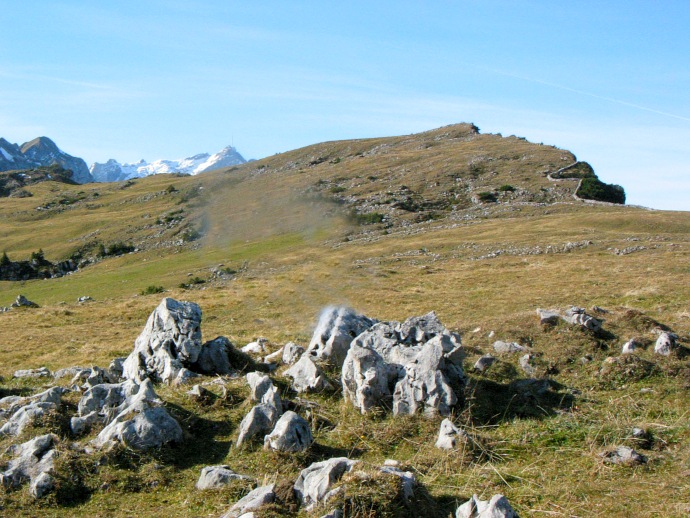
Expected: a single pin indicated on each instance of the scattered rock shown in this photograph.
(578, 316)
(334, 332)
(216, 477)
(259, 421)
(291, 353)
(548, 316)
(449, 436)
(115, 369)
(407, 478)
(291, 433)
(72, 372)
(484, 363)
(630, 346)
(313, 485)
(23, 302)
(274, 357)
(642, 438)
(81, 424)
(85, 298)
(665, 343)
(623, 455)
(497, 507)
(526, 365)
(508, 347)
(200, 394)
(261, 496)
(307, 376)
(32, 373)
(263, 391)
(256, 347)
(33, 461)
(132, 413)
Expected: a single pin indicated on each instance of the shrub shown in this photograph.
(5, 261)
(370, 218)
(506, 188)
(117, 248)
(591, 188)
(152, 290)
(486, 197)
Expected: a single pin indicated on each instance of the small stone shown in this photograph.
(508, 347)
(548, 316)
(32, 373)
(483, 363)
(256, 347)
(307, 376)
(259, 421)
(497, 507)
(292, 353)
(313, 485)
(449, 436)
(261, 496)
(216, 477)
(623, 455)
(630, 346)
(665, 343)
(23, 302)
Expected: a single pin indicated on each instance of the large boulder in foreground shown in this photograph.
(411, 366)
(170, 340)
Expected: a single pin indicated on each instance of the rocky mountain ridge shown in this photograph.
(40, 152)
(114, 171)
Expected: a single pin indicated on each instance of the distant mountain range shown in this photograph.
(113, 171)
(44, 152)
(39, 152)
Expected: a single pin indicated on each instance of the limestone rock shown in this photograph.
(72, 372)
(484, 363)
(450, 436)
(23, 302)
(274, 357)
(418, 363)
(170, 340)
(497, 507)
(630, 346)
(508, 347)
(214, 357)
(132, 413)
(525, 363)
(261, 496)
(256, 347)
(151, 427)
(307, 376)
(215, 477)
(407, 479)
(334, 332)
(263, 391)
(33, 461)
(578, 316)
(291, 433)
(291, 353)
(548, 316)
(81, 424)
(424, 385)
(24, 417)
(367, 379)
(665, 343)
(32, 373)
(313, 485)
(259, 421)
(623, 455)
(115, 369)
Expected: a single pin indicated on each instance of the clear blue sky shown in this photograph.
(609, 81)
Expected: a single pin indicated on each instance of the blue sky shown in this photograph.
(609, 81)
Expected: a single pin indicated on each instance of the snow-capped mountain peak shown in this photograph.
(113, 171)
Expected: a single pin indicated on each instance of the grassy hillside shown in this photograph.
(278, 239)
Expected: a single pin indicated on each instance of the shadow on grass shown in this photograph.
(491, 402)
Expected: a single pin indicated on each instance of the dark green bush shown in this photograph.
(487, 197)
(152, 290)
(592, 188)
(338, 189)
(506, 188)
(370, 218)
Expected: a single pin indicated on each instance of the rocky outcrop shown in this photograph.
(32, 373)
(413, 366)
(34, 461)
(334, 332)
(25, 416)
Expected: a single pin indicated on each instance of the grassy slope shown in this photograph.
(286, 233)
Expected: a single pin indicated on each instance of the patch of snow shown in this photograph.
(6, 154)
